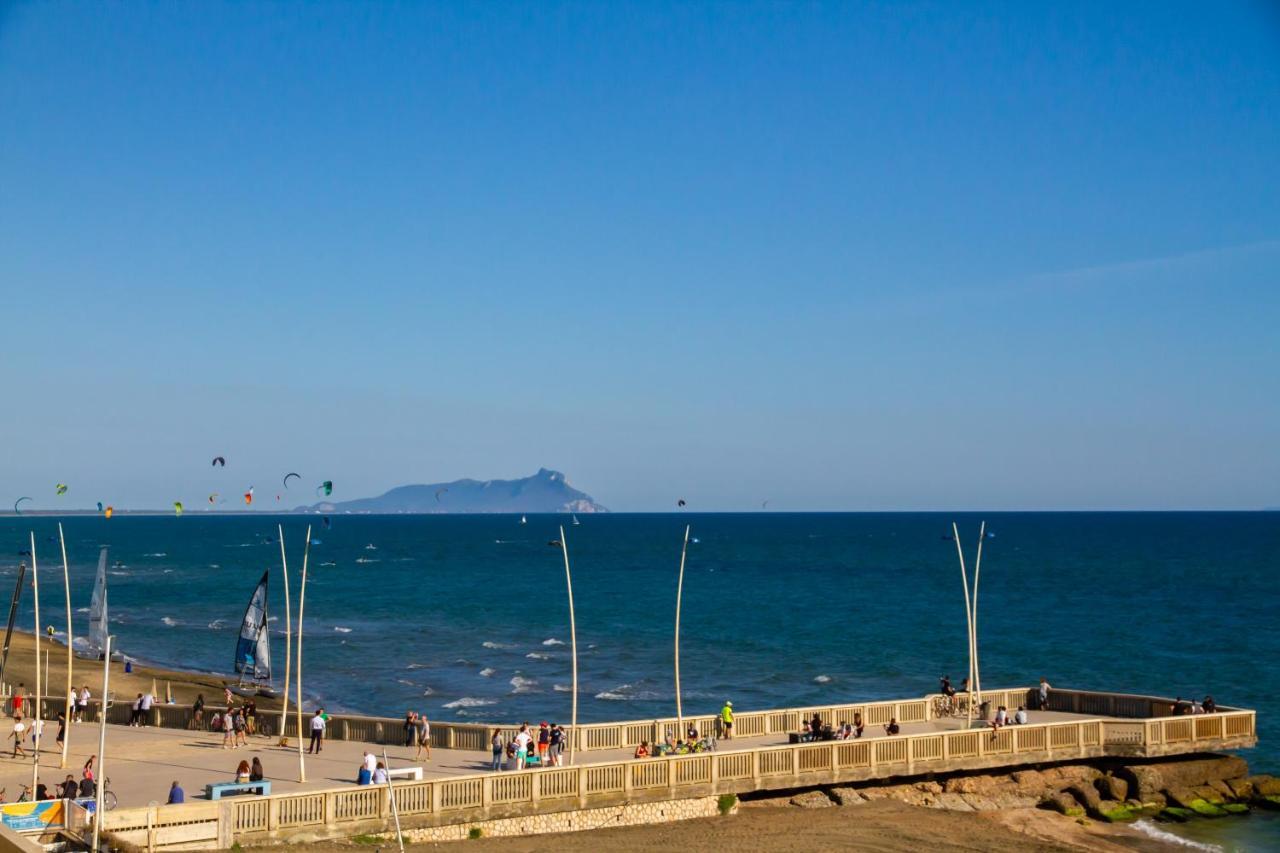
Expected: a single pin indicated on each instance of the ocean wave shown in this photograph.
(537, 656)
(470, 702)
(552, 641)
(366, 560)
(1152, 831)
(562, 688)
(156, 554)
(168, 620)
(610, 696)
(428, 692)
(215, 565)
(217, 624)
(341, 630)
(405, 681)
(167, 572)
(120, 574)
(82, 610)
(520, 684)
(416, 666)
(822, 679)
(329, 564)
(489, 644)
(487, 671)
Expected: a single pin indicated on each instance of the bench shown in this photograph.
(218, 790)
(414, 773)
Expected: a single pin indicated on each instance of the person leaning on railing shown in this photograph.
(892, 727)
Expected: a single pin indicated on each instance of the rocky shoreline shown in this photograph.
(1110, 790)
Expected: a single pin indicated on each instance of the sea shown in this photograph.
(467, 617)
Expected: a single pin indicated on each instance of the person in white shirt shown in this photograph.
(317, 731)
(522, 739)
(1044, 695)
(1021, 716)
(144, 708)
(380, 774)
(370, 763)
(83, 707)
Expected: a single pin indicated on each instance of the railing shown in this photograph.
(474, 797)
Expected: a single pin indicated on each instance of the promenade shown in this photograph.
(143, 762)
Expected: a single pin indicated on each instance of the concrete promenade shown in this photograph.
(142, 762)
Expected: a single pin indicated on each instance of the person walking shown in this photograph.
(317, 731)
(241, 725)
(498, 748)
(726, 720)
(1044, 695)
(228, 731)
(176, 794)
(424, 737)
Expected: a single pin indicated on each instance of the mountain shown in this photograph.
(545, 491)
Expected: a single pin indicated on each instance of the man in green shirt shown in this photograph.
(726, 720)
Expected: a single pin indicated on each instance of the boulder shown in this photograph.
(1264, 785)
(1007, 800)
(1186, 798)
(1271, 801)
(1112, 788)
(1145, 781)
(929, 787)
(1030, 783)
(952, 802)
(1115, 811)
(1211, 794)
(1065, 804)
(1241, 789)
(980, 803)
(811, 800)
(1175, 814)
(1086, 795)
(1224, 790)
(847, 796)
(970, 785)
(1189, 772)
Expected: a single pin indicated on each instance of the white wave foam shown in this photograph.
(273, 618)
(405, 681)
(552, 641)
(610, 696)
(562, 688)
(428, 692)
(366, 560)
(416, 666)
(520, 684)
(489, 644)
(217, 624)
(470, 702)
(157, 554)
(487, 671)
(82, 610)
(167, 572)
(1150, 830)
(120, 574)
(168, 621)
(341, 630)
(822, 679)
(537, 656)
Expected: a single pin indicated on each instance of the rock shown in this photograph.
(970, 785)
(1235, 808)
(980, 803)
(1030, 783)
(811, 800)
(952, 802)
(1186, 798)
(1175, 814)
(1115, 812)
(1145, 781)
(1241, 789)
(1271, 801)
(1210, 794)
(1183, 773)
(1065, 804)
(1086, 795)
(1224, 790)
(1267, 786)
(1065, 777)
(1112, 788)
(929, 787)
(847, 796)
(1007, 800)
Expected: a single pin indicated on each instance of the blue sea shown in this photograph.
(465, 617)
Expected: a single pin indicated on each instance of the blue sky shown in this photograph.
(839, 256)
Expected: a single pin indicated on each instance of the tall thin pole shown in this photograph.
(573, 642)
(679, 592)
(302, 599)
(391, 792)
(35, 595)
(66, 583)
(102, 741)
(288, 638)
(968, 617)
(977, 567)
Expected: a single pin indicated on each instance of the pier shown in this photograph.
(458, 790)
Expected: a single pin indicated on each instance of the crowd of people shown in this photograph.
(541, 748)
(1183, 707)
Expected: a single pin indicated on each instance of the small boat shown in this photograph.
(253, 646)
(575, 521)
(524, 520)
(98, 616)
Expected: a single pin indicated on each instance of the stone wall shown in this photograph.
(630, 814)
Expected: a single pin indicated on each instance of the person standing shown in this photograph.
(251, 717)
(83, 707)
(556, 746)
(498, 746)
(522, 739)
(197, 713)
(62, 728)
(70, 790)
(176, 794)
(726, 720)
(18, 700)
(317, 731)
(228, 731)
(1044, 694)
(424, 737)
(135, 711)
(18, 733)
(144, 708)
(410, 727)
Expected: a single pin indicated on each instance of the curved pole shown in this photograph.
(968, 616)
(66, 582)
(102, 742)
(35, 594)
(679, 592)
(288, 638)
(573, 641)
(977, 567)
(302, 598)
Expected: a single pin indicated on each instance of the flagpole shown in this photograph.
(977, 567)
(101, 781)
(66, 583)
(679, 592)
(288, 638)
(302, 598)
(968, 616)
(573, 640)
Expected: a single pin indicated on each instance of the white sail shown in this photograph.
(98, 606)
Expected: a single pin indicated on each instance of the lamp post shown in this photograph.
(679, 593)
(573, 643)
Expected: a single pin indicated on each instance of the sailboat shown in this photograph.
(253, 646)
(575, 520)
(98, 617)
(524, 520)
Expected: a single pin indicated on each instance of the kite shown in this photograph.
(17, 511)
(764, 505)
(438, 492)
(177, 507)
(218, 460)
(680, 502)
(290, 474)
(277, 499)
(107, 512)
(248, 496)
(62, 488)
(99, 506)
(326, 522)
(213, 498)
(326, 487)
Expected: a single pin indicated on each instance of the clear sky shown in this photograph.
(836, 256)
